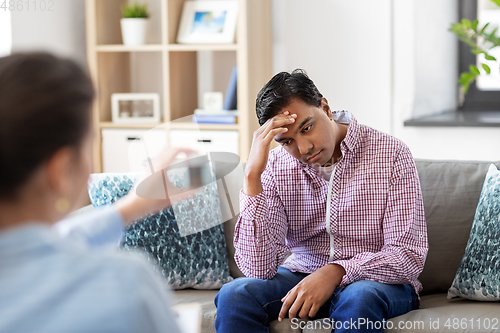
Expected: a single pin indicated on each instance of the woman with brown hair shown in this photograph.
(57, 277)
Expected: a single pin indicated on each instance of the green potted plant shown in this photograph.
(481, 41)
(134, 23)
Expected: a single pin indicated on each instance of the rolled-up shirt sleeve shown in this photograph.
(260, 232)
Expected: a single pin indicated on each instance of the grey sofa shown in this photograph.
(451, 191)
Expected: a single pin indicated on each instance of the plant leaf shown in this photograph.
(493, 33)
(466, 23)
(135, 10)
(474, 70)
(497, 2)
(486, 68)
(474, 24)
(488, 57)
(465, 78)
(455, 27)
(484, 28)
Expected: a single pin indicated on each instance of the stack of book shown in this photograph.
(215, 117)
(229, 114)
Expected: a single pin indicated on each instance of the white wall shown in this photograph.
(384, 60)
(60, 31)
(5, 33)
(425, 71)
(345, 46)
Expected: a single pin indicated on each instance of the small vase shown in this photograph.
(134, 30)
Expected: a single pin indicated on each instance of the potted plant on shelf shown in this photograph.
(134, 23)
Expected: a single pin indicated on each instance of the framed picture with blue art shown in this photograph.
(208, 22)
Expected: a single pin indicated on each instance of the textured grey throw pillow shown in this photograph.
(478, 276)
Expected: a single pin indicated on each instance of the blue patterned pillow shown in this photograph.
(186, 259)
(478, 276)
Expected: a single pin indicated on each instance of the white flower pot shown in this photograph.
(134, 30)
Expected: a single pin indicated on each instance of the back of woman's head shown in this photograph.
(45, 105)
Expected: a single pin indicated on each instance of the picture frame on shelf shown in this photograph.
(208, 22)
(135, 107)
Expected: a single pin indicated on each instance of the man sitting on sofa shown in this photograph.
(344, 199)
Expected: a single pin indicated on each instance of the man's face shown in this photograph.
(314, 136)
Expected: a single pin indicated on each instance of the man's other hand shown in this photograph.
(306, 298)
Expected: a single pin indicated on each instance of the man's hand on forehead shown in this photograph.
(286, 113)
(283, 118)
(257, 159)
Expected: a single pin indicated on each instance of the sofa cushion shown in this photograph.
(232, 188)
(197, 260)
(451, 191)
(478, 276)
(439, 314)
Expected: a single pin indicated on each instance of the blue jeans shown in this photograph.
(249, 305)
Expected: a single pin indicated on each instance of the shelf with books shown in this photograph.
(110, 124)
(172, 70)
(227, 117)
(218, 107)
(173, 125)
(186, 124)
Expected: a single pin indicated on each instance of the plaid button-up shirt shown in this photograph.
(376, 229)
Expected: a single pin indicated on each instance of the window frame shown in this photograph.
(475, 99)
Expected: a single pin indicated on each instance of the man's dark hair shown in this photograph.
(279, 92)
(45, 105)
